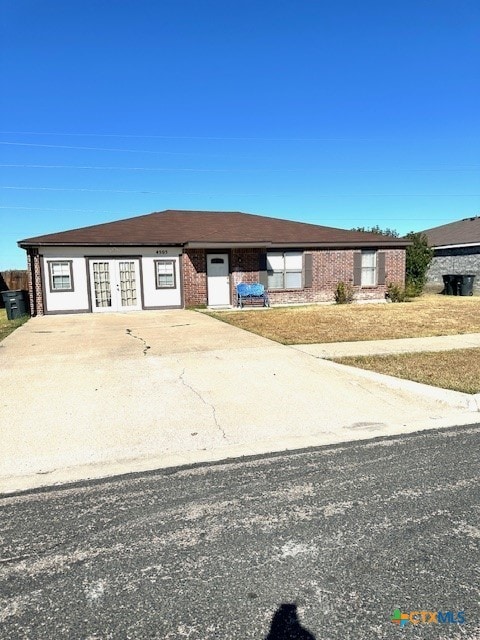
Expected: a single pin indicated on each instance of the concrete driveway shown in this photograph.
(91, 395)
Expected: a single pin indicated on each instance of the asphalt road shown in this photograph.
(324, 544)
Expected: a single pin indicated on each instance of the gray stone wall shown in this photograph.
(462, 260)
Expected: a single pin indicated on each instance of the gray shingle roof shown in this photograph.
(196, 227)
(466, 231)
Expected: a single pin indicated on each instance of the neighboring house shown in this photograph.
(175, 259)
(457, 250)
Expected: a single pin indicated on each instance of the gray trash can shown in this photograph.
(15, 304)
(466, 284)
(450, 283)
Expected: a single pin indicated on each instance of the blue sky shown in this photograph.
(339, 113)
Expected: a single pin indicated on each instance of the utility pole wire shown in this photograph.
(278, 195)
(239, 138)
(64, 146)
(466, 168)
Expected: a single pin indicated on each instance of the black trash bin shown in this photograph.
(466, 284)
(15, 304)
(450, 283)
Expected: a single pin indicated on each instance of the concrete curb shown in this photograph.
(433, 344)
(109, 470)
(456, 399)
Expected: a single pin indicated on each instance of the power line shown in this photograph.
(64, 146)
(68, 209)
(164, 137)
(70, 166)
(253, 138)
(279, 195)
(89, 190)
(466, 168)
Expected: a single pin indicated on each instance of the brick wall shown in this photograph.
(35, 291)
(395, 260)
(244, 266)
(194, 277)
(330, 266)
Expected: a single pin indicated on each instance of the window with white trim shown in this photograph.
(369, 268)
(165, 274)
(285, 270)
(61, 277)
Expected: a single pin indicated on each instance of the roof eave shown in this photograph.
(459, 245)
(378, 243)
(227, 245)
(396, 244)
(26, 244)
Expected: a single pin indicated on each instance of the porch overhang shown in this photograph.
(226, 245)
(400, 244)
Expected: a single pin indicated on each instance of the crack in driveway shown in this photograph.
(146, 347)
(208, 404)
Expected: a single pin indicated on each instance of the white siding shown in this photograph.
(78, 299)
(154, 297)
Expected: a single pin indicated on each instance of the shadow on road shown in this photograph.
(285, 625)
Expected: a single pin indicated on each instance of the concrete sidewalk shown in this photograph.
(384, 347)
(90, 396)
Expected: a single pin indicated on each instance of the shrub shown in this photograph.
(419, 256)
(397, 293)
(412, 289)
(343, 293)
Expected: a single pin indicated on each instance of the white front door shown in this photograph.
(115, 284)
(218, 280)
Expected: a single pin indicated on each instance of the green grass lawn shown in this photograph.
(7, 326)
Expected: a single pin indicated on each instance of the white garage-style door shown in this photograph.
(115, 284)
(218, 280)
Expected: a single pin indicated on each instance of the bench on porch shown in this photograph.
(254, 292)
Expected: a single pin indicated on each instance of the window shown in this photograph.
(369, 268)
(285, 270)
(61, 277)
(165, 274)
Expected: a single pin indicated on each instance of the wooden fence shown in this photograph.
(10, 280)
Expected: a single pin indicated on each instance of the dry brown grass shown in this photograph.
(429, 315)
(458, 370)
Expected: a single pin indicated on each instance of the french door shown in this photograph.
(115, 284)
